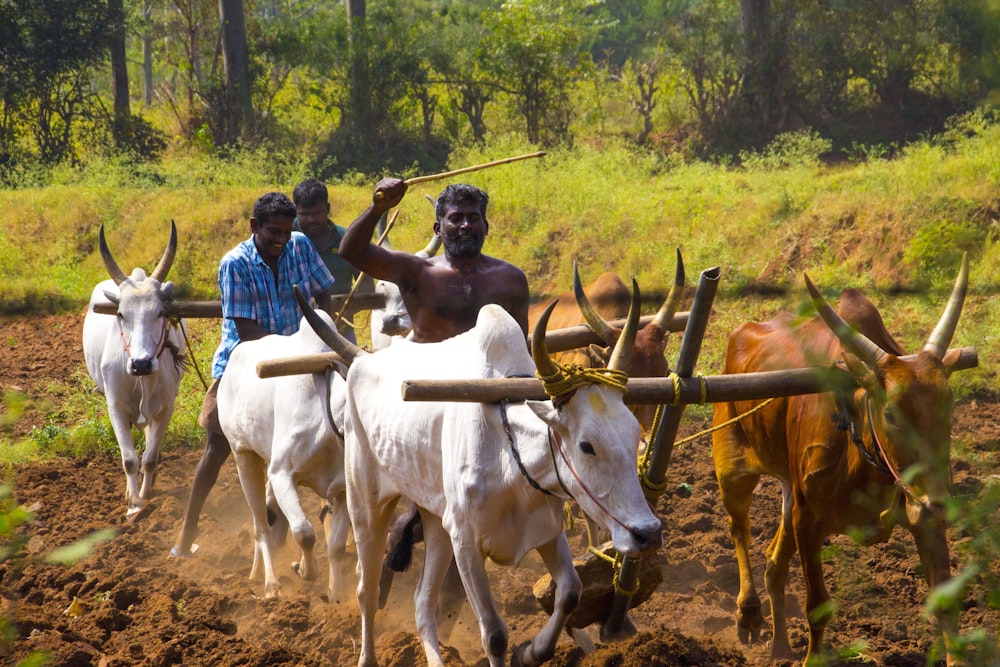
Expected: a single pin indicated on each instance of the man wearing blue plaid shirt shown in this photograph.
(255, 279)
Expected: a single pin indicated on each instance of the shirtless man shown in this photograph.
(443, 294)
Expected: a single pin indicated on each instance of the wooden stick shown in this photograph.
(354, 288)
(301, 365)
(718, 388)
(194, 309)
(465, 170)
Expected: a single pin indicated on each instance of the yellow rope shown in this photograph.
(616, 568)
(569, 377)
(728, 422)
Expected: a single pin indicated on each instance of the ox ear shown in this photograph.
(167, 290)
(598, 356)
(113, 297)
(545, 411)
(951, 358)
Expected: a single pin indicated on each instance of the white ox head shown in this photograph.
(586, 434)
(593, 434)
(143, 320)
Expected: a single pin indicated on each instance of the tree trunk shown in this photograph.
(147, 57)
(119, 72)
(236, 61)
(360, 116)
(765, 66)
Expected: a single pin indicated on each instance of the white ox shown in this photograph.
(287, 432)
(392, 322)
(135, 360)
(490, 480)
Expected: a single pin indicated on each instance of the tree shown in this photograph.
(533, 49)
(236, 58)
(359, 114)
(119, 71)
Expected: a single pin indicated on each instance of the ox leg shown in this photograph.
(371, 526)
(337, 528)
(155, 431)
(122, 427)
(472, 567)
(287, 497)
(253, 478)
(818, 607)
(737, 493)
(277, 520)
(558, 559)
(779, 556)
(437, 559)
(930, 535)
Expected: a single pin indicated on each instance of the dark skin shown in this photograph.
(270, 238)
(443, 294)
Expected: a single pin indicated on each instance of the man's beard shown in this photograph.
(465, 246)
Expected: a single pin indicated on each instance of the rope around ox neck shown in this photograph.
(567, 378)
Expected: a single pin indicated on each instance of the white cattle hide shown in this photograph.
(287, 432)
(135, 360)
(476, 496)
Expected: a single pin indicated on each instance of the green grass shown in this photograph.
(895, 228)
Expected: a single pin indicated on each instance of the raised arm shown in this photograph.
(357, 246)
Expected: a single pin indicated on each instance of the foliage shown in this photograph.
(787, 150)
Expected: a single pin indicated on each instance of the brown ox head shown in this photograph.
(647, 357)
(902, 410)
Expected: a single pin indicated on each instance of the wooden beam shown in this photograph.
(717, 388)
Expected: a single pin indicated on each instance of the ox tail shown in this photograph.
(401, 541)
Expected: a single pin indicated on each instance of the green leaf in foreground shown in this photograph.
(80, 549)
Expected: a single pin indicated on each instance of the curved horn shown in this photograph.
(431, 248)
(109, 261)
(326, 333)
(940, 338)
(160, 272)
(539, 351)
(623, 348)
(666, 312)
(435, 243)
(595, 321)
(852, 339)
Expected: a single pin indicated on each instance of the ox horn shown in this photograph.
(623, 348)
(852, 339)
(160, 272)
(666, 312)
(326, 333)
(595, 321)
(940, 338)
(435, 243)
(109, 261)
(539, 351)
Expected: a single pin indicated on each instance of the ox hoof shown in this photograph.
(177, 552)
(138, 514)
(748, 636)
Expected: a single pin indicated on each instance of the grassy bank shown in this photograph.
(895, 228)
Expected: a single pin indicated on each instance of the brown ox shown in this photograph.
(869, 457)
(607, 298)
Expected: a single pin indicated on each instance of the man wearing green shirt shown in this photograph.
(312, 207)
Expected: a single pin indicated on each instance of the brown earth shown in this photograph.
(138, 606)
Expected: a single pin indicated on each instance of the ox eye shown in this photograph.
(587, 448)
(891, 419)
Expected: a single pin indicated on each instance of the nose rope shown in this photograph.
(553, 447)
(159, 344)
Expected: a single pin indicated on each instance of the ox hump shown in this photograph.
(502, 343)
